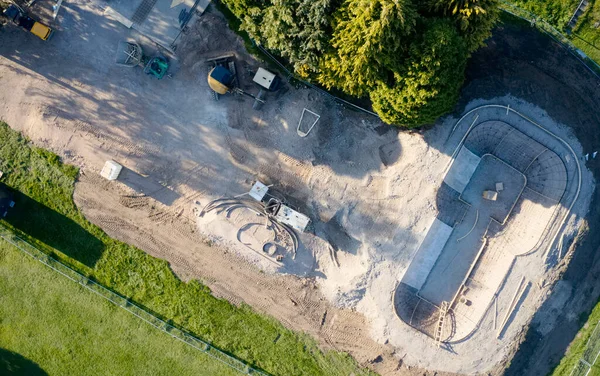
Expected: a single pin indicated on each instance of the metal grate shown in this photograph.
(142, 12)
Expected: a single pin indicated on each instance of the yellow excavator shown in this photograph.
(20, 18)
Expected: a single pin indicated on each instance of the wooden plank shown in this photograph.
(516, 297)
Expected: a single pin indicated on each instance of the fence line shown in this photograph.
(553, 33)
(127, 305)
(590, 354)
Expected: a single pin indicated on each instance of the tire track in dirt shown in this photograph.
(64, 120)
(161, 233)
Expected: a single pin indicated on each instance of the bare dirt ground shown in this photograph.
(353, 176)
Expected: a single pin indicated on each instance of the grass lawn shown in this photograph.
(555, 12)
(66, 329)
(46, 215)
(578, 346)
(586, 35)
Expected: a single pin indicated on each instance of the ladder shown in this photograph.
(439, 331)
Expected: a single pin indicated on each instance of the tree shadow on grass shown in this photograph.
(15, 364)
(54, 229)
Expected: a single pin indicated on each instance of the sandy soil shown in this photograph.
(353, 176)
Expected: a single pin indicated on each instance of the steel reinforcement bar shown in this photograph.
(561, 140)
(127, 305)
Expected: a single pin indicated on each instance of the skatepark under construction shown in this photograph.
(506, 194)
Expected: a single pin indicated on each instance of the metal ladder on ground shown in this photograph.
(439, 330)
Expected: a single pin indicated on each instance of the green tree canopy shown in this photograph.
(240, 8)
(429, 84)
(300, 30)
(475, 18)
(369, 39)
(408, 56)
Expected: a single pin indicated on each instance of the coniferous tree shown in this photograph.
(429, 84)
(408, 56)
(475, 18)
(368, 40)
(298, 30)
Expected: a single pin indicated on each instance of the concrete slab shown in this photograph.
(461, 249)
(158, 20)
(451, 209)
(111, 13)
(428, 253)
(163, 23)
(126, 8)
(461, 170)
(455, 260)
(488, 172)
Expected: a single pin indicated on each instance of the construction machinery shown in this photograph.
(130, 54)
(20, 18)
(222, 79)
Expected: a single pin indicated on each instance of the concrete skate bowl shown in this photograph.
(470, 248)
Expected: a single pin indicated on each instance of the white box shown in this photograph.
(264, 78)
(291, 217)
(111, 170)
(258, 191)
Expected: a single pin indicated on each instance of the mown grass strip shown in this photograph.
(125, 304)
(578, 347)
(51, 325)
(556, 12)
(46, 216)
(586, 34)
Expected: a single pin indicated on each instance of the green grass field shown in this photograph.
(578, 346)
(46, 216)
(586, 35)
(556, 12)
(65, 329)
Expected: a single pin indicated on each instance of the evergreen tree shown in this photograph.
(240, 8)
(429, 84)
(368, 41)
(408, 56)
(298, 30)
(475, 18)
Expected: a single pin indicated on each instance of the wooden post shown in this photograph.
(516, 297)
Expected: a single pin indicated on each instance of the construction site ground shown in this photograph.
(369, 189)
